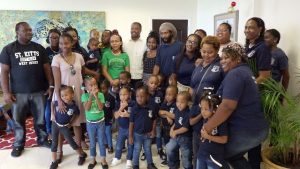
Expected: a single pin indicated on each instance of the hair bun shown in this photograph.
(115, 32)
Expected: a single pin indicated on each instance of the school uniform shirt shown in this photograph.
(94, 114)
(195, 111)
(239, 85)
(109, 106)
(210, 76)
(26, 64)
(143, 117)
(135, 50)
(62, 118)
(93, 55)
(80, 50)
(185, 70)
(182, 120)
(165, 57)
(211, 147)
(51, 53)
(279, 62)
(157, 97)
(169, 107)
(259, 58)
(124, 121)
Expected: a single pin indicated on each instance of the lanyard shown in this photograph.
(202, 78)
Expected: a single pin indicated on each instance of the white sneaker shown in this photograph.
(129, 164)
(115, 162)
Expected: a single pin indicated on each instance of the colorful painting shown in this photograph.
(42, 21)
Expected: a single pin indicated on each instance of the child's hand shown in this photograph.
(61, 106)
(170, 121)
(130, 140)
(152, 134)
(204, 134)
(124, 113)
(123, 105)
(172, 134)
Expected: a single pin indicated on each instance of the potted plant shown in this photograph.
(283, 113)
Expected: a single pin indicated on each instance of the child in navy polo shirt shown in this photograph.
(125, 80)
(93, 102)
(211, 149)
(166, 112)
(108, 111)
(92, 61)
(142, 127)
(61, 123)
(122, 112)
(156, 96)
(181, 136)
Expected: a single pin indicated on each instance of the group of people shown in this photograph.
(199, 101)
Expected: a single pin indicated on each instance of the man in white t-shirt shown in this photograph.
(135, 49)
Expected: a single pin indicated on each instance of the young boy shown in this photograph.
(166, 112)
(108, 111)
(92, 61)
(125, 80)
(142, 127)
(181, 137)
(61, 123)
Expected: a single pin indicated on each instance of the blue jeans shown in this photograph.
(241, 141)
(196, 144)
(139, 141)
(108, 136)
(158, 137)
(48, 116)
(122, 136)
(208, 161)
(96, 130)
(25, 103)
(185, 146)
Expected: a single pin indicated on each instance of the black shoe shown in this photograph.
(151, 166)
(110, 150)
(54, 165)
(135, 167)
(17, 151)
(104, 166)
(82, 159)
(92, 165)
(46, 144)
(162, 154)
(143, 157)
(164, 163)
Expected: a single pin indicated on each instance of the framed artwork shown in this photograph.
(42, 21)
(231, 18)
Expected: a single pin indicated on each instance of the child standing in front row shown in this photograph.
(93, 102)
(166, 112)
(108, 111)
(60, 124)
(211, 149)
(142, 127)
(181, 136)
(122, 113)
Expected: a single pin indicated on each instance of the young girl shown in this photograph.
(122, 113)
(181, 136)
(93, 102)
(115, 60)
(166, 112)
(61, 123)
(150, 55)
(108, 111)
(142, 127)
(211, 149)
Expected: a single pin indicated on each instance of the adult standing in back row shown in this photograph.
(135, 49)
(166, 53)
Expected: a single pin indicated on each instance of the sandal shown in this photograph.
(104, 166)
(92, 165)
(82, 158)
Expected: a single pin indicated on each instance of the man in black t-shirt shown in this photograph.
(26, 75)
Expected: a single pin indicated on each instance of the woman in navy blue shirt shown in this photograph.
(185, 62)
(240, 106)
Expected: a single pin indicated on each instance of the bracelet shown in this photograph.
(51, 87)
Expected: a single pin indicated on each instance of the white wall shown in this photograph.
(119, 14)
(278, 14)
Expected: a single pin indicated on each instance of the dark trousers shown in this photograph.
(135, 83)
(65, 131)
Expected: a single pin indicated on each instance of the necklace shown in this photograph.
(72, 69)
(116, 53)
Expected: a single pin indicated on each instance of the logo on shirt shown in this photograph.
(173, 57)
(70, 112)
(107, 104)
(129, 109)
(215, 69)
(27, 57)
(157, 100)
(254, 79)
(251, 53)
(172, 109)
(180, 120)
(150, 113)
(272, 61)
(92, 56)
(214, 131)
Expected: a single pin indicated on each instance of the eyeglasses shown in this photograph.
(221, 31)
(72, 70)
(189, 42)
